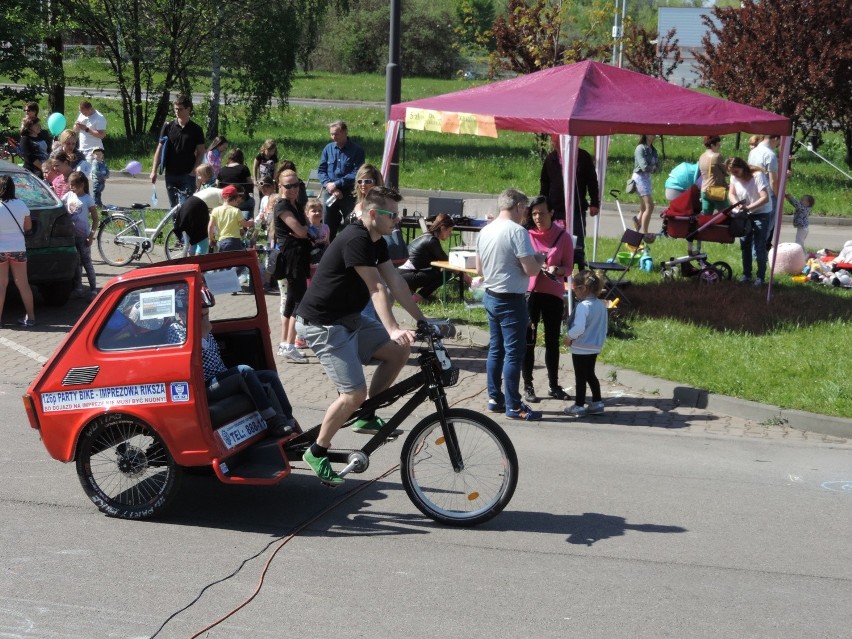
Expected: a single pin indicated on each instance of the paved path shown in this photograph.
(633, 400)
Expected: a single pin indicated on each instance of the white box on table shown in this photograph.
(463, 259)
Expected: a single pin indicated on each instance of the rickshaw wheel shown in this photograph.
(125, 468)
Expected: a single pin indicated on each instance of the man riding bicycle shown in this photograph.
(355, 269)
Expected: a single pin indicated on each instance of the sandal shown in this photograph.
(636, 224)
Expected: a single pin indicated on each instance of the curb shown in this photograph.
(705, 400)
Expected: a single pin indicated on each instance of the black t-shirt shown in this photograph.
(266, 166)
(192, 218)
(337, 290)
(180, 150)
(239, 176)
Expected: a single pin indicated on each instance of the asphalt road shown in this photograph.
(613, 532)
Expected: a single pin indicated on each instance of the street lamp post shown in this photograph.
(393, 78)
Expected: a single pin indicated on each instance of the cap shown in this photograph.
(229, 192)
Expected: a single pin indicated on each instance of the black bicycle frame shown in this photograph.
(426, 383)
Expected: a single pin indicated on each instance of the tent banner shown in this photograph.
(450, 122)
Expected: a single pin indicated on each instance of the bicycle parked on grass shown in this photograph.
(124, 237)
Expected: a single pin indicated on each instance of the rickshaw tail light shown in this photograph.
(29, 406)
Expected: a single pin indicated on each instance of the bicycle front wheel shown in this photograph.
(475, 493)
(173, 246)
(118, 240)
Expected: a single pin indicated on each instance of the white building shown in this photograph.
(689, 32)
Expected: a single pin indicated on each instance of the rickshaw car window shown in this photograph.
(234, 291)
(142, 319)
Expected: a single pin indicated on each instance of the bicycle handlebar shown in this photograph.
(435, 329)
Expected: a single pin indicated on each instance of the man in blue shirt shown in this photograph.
(338, 165)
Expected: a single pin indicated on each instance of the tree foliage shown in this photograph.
(360, 44)
(648, 53)
(25, 30)
(530, 37)
(475, 18)
(793, 57)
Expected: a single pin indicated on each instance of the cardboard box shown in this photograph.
(463, 259)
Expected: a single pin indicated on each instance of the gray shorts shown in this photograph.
(343, 351)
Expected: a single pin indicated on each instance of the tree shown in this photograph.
(793, 57)
(475, 18)
(532, 37)
(30, 44)
(648, 53)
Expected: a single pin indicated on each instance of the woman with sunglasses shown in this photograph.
(291, 232)
(367, 178)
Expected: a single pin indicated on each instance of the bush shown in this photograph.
(359, 43)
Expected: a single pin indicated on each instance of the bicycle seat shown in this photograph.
(140, 205)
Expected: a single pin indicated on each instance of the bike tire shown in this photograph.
(173, 246)
(725, 270)
(125, 468)
(481, 490)
(118, 240)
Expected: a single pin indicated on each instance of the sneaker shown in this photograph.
(300, 343)
(496, 407)
(529, 394)
(369, 426)
(596, 408)
(758, 282)
(322, 467)
(280, 426)
(557, 392)
(295, 355)
(524, 413)
(575, 411)
(26, 322)
(744, 279)
(282, 349)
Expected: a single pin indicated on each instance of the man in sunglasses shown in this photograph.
(355, 269)
(338, 166)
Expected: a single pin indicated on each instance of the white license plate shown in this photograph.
(235, 433)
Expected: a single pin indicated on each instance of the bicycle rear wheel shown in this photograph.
(173, 246)
(118, 240)
(476, 493)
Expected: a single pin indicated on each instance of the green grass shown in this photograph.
(725, 338)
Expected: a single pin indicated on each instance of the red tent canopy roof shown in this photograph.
(591, 98)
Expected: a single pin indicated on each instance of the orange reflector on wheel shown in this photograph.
(440, 441)
(472, 496)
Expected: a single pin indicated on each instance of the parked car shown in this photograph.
(51, 256)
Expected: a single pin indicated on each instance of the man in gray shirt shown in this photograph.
(506, 259)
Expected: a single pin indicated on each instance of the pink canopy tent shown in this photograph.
(587, 98)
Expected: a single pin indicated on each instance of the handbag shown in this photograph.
(14, 219)
(739, 224)
(630, 186)
(716, 193)
(272, 254)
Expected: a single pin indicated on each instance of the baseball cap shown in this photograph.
(229, 192)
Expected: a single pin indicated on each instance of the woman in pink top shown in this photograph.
(547, 296)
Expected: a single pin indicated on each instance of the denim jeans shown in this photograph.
(84, 250)
(753, 246)
(507, 324)
(179, 187)
(254, 383)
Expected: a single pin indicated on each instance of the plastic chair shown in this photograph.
(634, 241)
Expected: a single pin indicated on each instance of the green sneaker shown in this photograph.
(368, 426)
(322, 467)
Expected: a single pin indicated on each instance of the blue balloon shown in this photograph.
(55, 123)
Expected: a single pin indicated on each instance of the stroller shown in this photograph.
(683, 219)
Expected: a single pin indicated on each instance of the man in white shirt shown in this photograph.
(765, 157)
(91, 128)
(506, 259)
